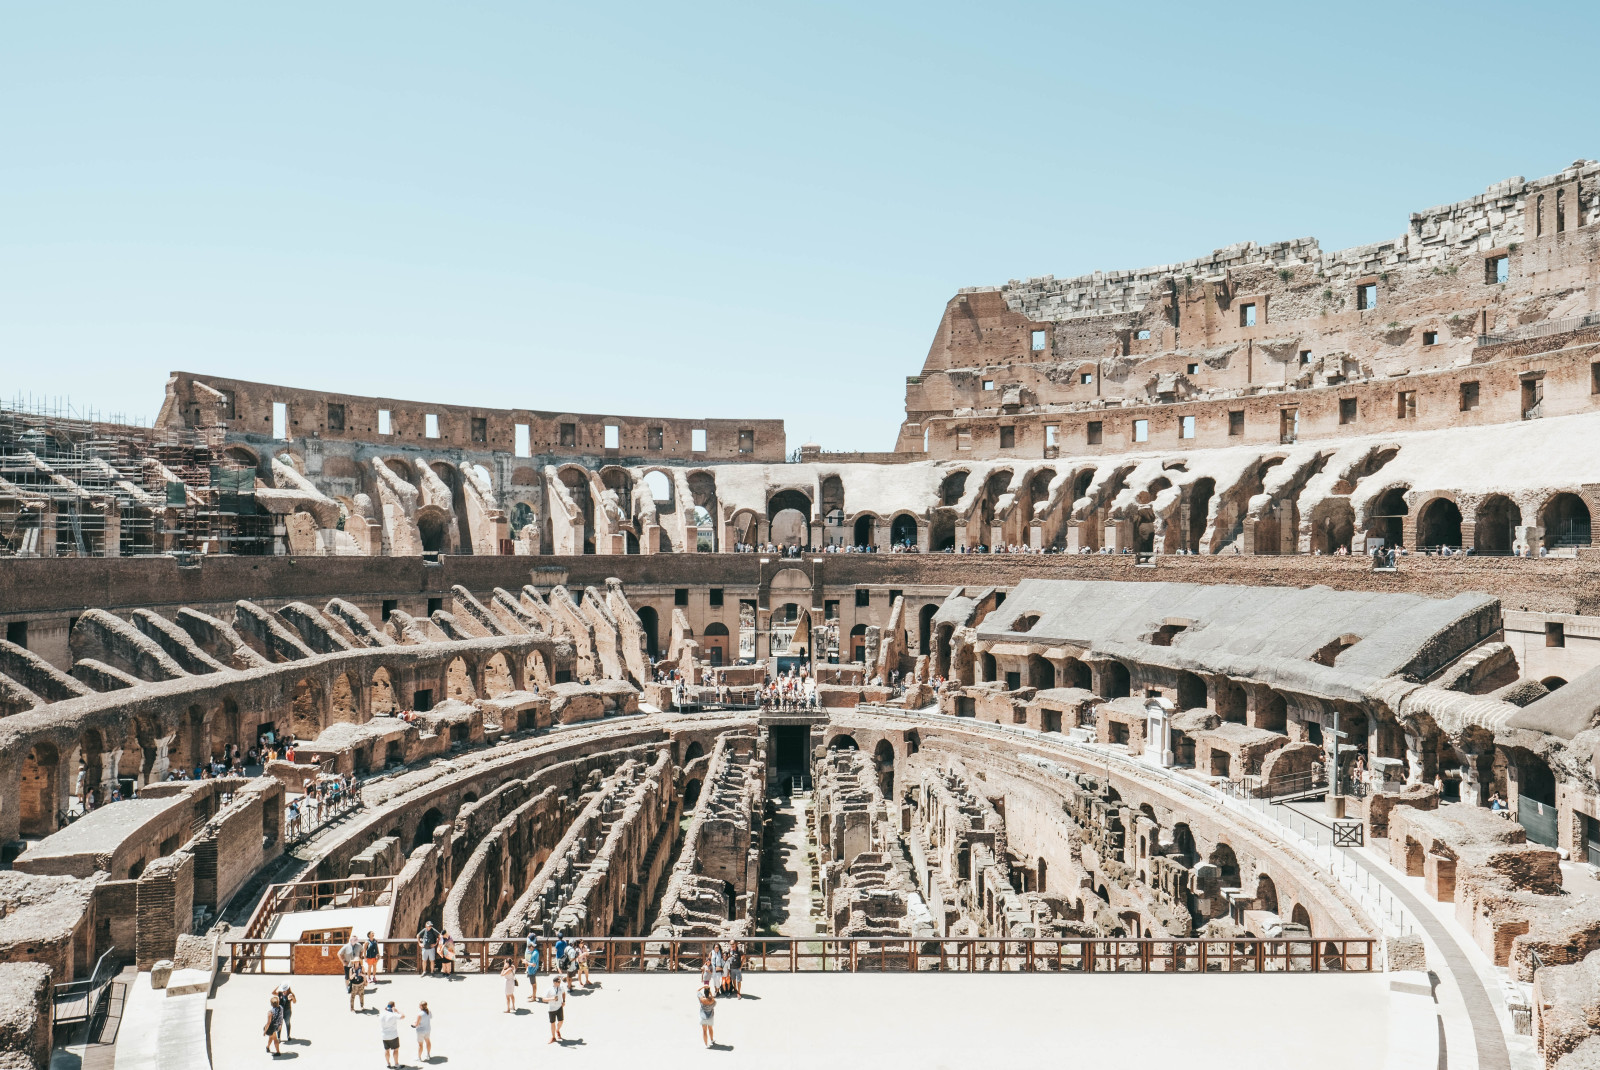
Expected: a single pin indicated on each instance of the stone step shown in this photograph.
(187, 982)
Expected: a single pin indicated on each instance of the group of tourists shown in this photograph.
(569, 968)
(325, 798)
(792, 690)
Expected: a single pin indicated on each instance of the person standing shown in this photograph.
(583, 963)
(508, 973)
(531, 954)
(274, 1026)
(372, 958)
(356, 982)
(428, 941)
(708, 1013)
(736, 970)
(447, 955)
(286, 1002)
(557, 1006)
(389, 1029)
(718, 979)
(350, 952)
(424, 1027)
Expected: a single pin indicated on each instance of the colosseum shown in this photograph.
(1238, 615)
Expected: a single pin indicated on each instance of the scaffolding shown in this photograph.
(75, 485)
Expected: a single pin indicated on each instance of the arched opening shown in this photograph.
(342, 702)
(1495, 529)
(1075, 673)
(952, 488)
(424, 834)
(1565, 519)
(744, 527)
(695, 750)
(863, 531)
(1439, 524)
(942, 650)
(1266, 894)
(1231, 700)
(991, 669)
(521, 516)
(1272, 712)
(715, 643)
(1387, 521)
(497, 678)
(660, 490)
(39, 790)
(1552, 683)
(925, 628)
(789, 512)
(843, 742)
(858, 643)
(305, 713)
(91, 766)
(458, 681)
(433, 527)
(1117, 681)
(1227, 864)
(703, 491)
(650, 624)
(450, 476)
(383, 700)
(1199, 506)
(575, 481)
(537, 669)
(832, 496)
(903, 532)
(1191, 691)
(1041, 673)
(942, 532)
(1301, 916)
(691, 794)
(883, 758)
(1144, 531)
(1333, 525)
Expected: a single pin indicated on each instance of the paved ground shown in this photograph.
(1309, 1022)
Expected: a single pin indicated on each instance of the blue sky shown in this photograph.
(699, 210)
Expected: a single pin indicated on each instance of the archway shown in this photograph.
(858, 643)
(1272, 711)
(1438, 524)
(1495, 529)
(942, 531)
(458, 681)
(863, 531)
(883, 758)
(1117, 681)
(497, 678)
(925, 628)
(1075, 673)
(342, 702)
(843, 742)
(650, 624)
(1041, 673)
(1387, 520)
(537, 669)
(903, 532)
(694, 750)
(433, 527)
(1300, 916)
(40, 790)
(1191, 691)
(1333, 525)
(1266, 894)
(1227, 864)
(383, 700)
(691, 794)
(1565, 519)
(424, 834)
(1199, 506)
(789, 512)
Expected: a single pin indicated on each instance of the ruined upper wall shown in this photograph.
(1251, 318)
(246, 408)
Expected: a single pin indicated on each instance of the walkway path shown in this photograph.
(789, 884)
(1232, 1022)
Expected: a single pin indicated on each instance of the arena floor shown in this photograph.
(789, 1020)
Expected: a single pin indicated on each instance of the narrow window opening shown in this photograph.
(1038, 341)
(280, 419)
(1469, 396)
(747, 441)
(963, 439)
(1193, 369)
(863, 598)
(680, 596)
(1086, 378)
(1236, 422)
(1096, 431)
(430, 425)
(1406, 408)
(1050, 431)
(1497, 269)
(697, 440)
(613, 437)
(1186, 427)
(1347, 410)
(1008, 438)
(524, 445)
(1143, 336)
(1555, 634)
(1367, 296)
(714, 597)
(384, 427)
(569, 434)
(1141, 430)
(656, 438)
(988, 384)
(1305, 356)
(480, 429)
(335, 418)
(1247, 315)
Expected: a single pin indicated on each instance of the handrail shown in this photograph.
(869, 954)
(88, 990)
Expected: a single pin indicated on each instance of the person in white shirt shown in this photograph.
(389, 1028)
(556, 1005)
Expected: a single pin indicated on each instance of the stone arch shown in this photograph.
(433, 528)
(537, 668)
(1230, 700)
(1272, 711)
(1075, 673)
(305, 710)
(695, 750)
(925, 628)
(715, 641)
(903, 531)
(650, 624)
(1266, 894)
(691, 794)
(942, 531)
(575, 479)
(744, 527)
(1190, 690)
(883, 758)
(1565, 519)
(858, 643)
(383, 698)
(1041, 673)
(1386, 518)
(497, 677)
(402, 468)
(1118, 682)
(843, 741)
(861, 532)
(1552, 683)
(458, 681)
(1333, 525)
(429, 821)
(1301, 916)
(1227, 864)
(831, 495)
(40, 790)
(1494, 528)
(343, 702)
(952, 487)
(1438, 523)
(450, 475)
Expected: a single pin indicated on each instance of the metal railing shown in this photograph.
(77, 1001)
(1541, 330)
(880, 955)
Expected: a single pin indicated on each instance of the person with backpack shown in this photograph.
(286, 1002)
(356, 982)
(708, 1013)
(736, 970)
(428, 941)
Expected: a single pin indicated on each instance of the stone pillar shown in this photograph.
(763, 634)
(1036, 535)
(1414, 757)
(997, 535)
(924, 536)
(817, 537)
(961, 537)
(1472, 793)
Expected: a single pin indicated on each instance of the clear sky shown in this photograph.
(699, 210)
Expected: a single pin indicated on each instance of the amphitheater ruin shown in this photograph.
(1238, 615)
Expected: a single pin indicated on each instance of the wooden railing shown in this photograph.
(873, 955)
(280, 899)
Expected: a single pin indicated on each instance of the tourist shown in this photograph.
(447, 955)
(424, 1027)
(708, 1012)
(372, 955)
(286, 1002)
(274, 1025)
(583, 963)
(389, 1030)
(508, 973)
(350, 952)
(356, 982)
(556, 1005)
(428, 941)
(736, 970)
(561, 951)
(531, 955)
